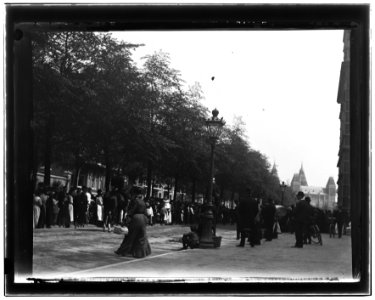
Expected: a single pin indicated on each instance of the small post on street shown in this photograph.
(214, 126)
(283, 187)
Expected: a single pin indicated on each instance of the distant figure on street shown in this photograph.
(149, 214)
(110, 202)
(237, 220)
(55, 208)
(99, 207)
(122, 204)
(65, 213)
(346, 220)
(71, 205)
(167, 212)
(37, 204)
(82, 208)
(43, 213)
(49, 209)
(340, 220)
(309, 222)
(135, 243)
(301, 216)
(268, 213)
(247, 209)
(258, 223)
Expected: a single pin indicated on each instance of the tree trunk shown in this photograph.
(108, 171)
(149, 178)
(48, 152)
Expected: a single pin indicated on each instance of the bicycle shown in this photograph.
(316, 237)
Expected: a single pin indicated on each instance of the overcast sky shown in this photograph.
(282, 83)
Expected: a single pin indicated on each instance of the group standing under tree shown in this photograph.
(255, 220)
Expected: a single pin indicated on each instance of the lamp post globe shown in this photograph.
(214, 129)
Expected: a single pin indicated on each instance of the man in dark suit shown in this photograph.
(340, 217)
(309, 222)
(301, 217)
(268, 213)
(247, 211)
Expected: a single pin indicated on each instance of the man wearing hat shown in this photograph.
(301, 217)
(248, 209)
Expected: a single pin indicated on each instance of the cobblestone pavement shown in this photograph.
(88, 253)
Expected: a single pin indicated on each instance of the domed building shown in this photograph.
(321, 197)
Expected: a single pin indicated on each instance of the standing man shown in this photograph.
(339, 215)
(237, 219)
(301, 217)
(247, 209)
(110, 202)
(268, 213)
(310, 221)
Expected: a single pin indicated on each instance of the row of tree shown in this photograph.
(93, 104)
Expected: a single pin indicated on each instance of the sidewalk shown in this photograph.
(88, 253)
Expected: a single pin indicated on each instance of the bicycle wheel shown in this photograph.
(316, 237)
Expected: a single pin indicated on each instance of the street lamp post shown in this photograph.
(214, 127)
(283, 187)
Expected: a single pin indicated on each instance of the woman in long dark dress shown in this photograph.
(135, 243)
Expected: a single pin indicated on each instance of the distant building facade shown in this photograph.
(90, 175)
(321, 197)
(59, 176)
(343, 98)
(161, 190)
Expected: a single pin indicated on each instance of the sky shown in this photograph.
(283, 84)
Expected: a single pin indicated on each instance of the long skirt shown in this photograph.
(71, 212)
(99, 212)
(167, 217)
(36, 213)
(135, 243)
(42, 217)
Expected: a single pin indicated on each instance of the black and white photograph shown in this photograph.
(194, 155)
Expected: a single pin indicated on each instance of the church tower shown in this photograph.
(296, 183)
(274, 171)
(302, 176)
(331, 191)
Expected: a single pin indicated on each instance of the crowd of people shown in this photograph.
(56, 206)
(255, 219)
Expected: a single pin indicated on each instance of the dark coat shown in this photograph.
(136, 242)
(302, 212)
(110, 202)
(268, 213)
(136, 206)
(247, 211)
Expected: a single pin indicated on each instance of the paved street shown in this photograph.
(88, 252)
